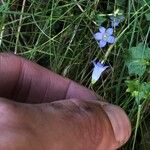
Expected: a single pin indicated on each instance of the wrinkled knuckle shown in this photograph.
(83, 117)
(88, 120)
(88, 107)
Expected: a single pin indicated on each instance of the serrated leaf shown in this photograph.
(135, 68)
(140, 91)
(137, 60)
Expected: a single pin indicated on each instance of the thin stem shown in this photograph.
(83, 11)
(1, 34)
(107, 54)
(19, 27)
(3, 27)
(137, 125)
(2, 1)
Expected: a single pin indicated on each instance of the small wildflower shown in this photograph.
(115, 20)
(97, 71)
(104, 36)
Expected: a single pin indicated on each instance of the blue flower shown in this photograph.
(115, 20)
(104, 36)
(97, 71)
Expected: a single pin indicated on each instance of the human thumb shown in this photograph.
(87, 125)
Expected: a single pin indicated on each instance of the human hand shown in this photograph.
(41, 110)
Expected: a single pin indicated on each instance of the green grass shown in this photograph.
(58, 34)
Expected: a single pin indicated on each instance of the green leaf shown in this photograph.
(137, 59)
(140, 91)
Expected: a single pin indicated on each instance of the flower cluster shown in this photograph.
(104, 36)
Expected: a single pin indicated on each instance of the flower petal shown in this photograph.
(121, 18)
(111, 39)
(100, 65)
(115, 20)
(98, 36)
(112, 17)
(109, 31)
(97, 71)
(114, 24)
(102, 43)
(102, 29)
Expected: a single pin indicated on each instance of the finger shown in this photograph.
(66, 124)
(86, 125)
(23, 80)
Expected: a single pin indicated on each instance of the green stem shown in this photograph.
(19, 26)
(107, 54)
(1, 34)
(137, 125)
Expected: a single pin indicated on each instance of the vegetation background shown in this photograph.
(58, 34)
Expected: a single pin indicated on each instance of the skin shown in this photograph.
(40, 110)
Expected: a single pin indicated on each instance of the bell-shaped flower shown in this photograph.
(97, 71)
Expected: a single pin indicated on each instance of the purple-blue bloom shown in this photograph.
(97, 71)
(104, 36)
(115, 20)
